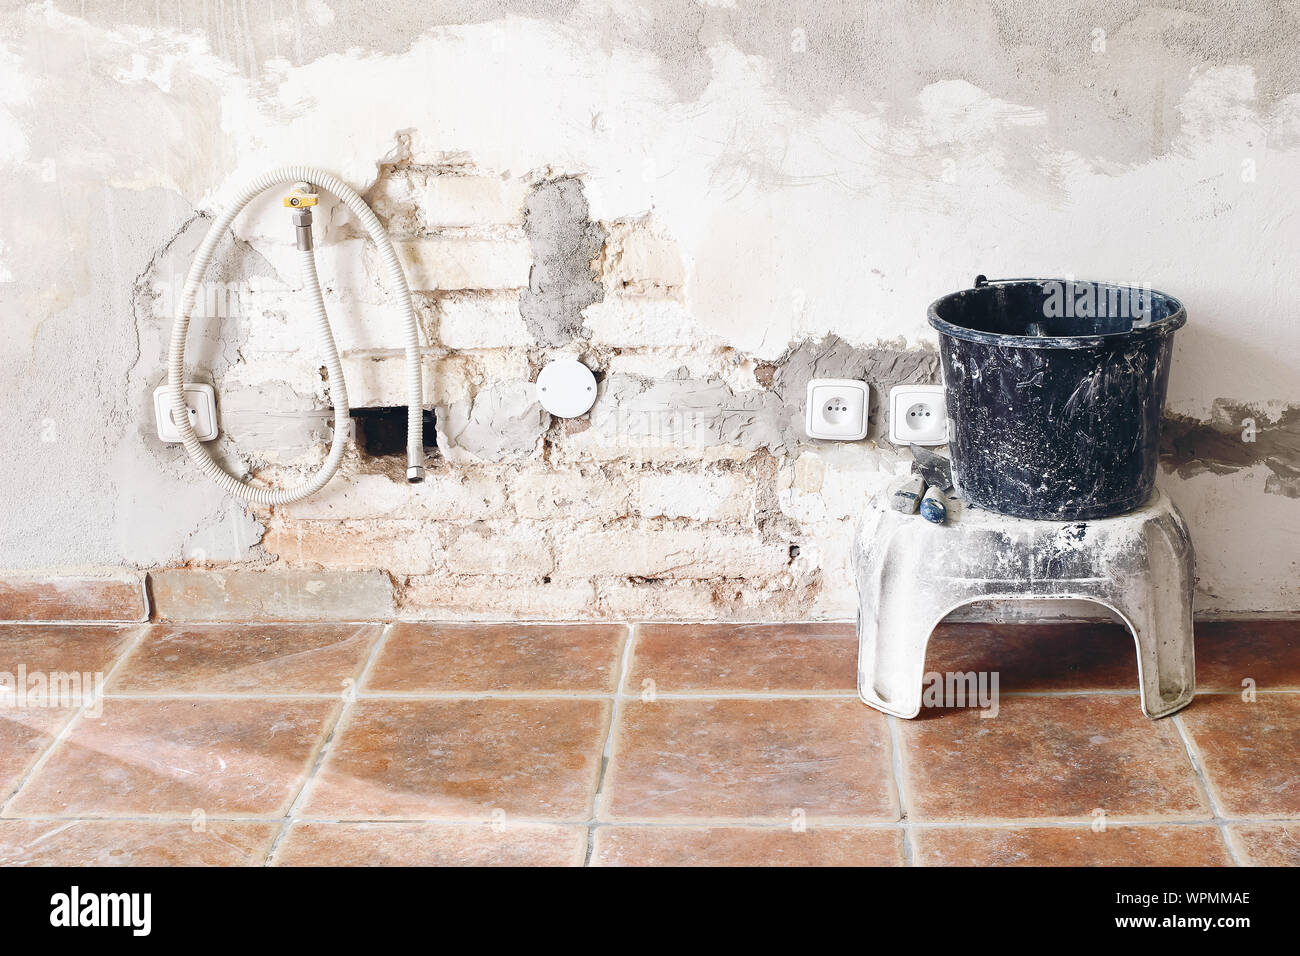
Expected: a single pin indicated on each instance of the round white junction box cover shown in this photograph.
(566, 388)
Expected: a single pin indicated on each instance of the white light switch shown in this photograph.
(837, 409)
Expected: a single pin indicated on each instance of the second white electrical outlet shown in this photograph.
(917, 415)
(836, 409)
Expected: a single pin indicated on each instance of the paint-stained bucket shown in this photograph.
(1055, 389)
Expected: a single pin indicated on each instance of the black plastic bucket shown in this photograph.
(1055, 389)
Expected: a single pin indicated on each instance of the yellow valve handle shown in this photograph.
(298, 199)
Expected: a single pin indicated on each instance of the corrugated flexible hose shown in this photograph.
(396, 278)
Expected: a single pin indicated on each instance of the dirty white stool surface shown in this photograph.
(911, 574)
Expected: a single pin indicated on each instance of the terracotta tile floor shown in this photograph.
(617, 745)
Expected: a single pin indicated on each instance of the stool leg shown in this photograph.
(1158, 607)
(1165, 662)
(891, 656)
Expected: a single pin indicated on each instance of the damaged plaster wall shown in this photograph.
(710, 203)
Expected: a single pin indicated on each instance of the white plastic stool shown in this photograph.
(911, 574)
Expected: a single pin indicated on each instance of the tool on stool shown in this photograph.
(934, 507)
(905, 494)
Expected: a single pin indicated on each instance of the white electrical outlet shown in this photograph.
(917, 415)
(836, 409)
(200, 399)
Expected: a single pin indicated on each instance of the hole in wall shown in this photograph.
(381, 432)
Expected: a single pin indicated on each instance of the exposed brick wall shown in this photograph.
(688, 492)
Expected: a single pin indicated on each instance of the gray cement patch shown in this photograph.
(500, 422)
(881, 366)
(1220, 444)
(565, 243)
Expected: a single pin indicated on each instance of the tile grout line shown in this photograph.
(370, 695)
(77, 623)
(66, 730)
(896, 763)
(753, 823)
(348, 699)
(1198, 768)
(1245, 617)
(602, 695)
(607, 750)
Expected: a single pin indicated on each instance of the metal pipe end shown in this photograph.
(415, 474)
(302, 228)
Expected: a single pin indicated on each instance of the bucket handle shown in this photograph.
(982, 280)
